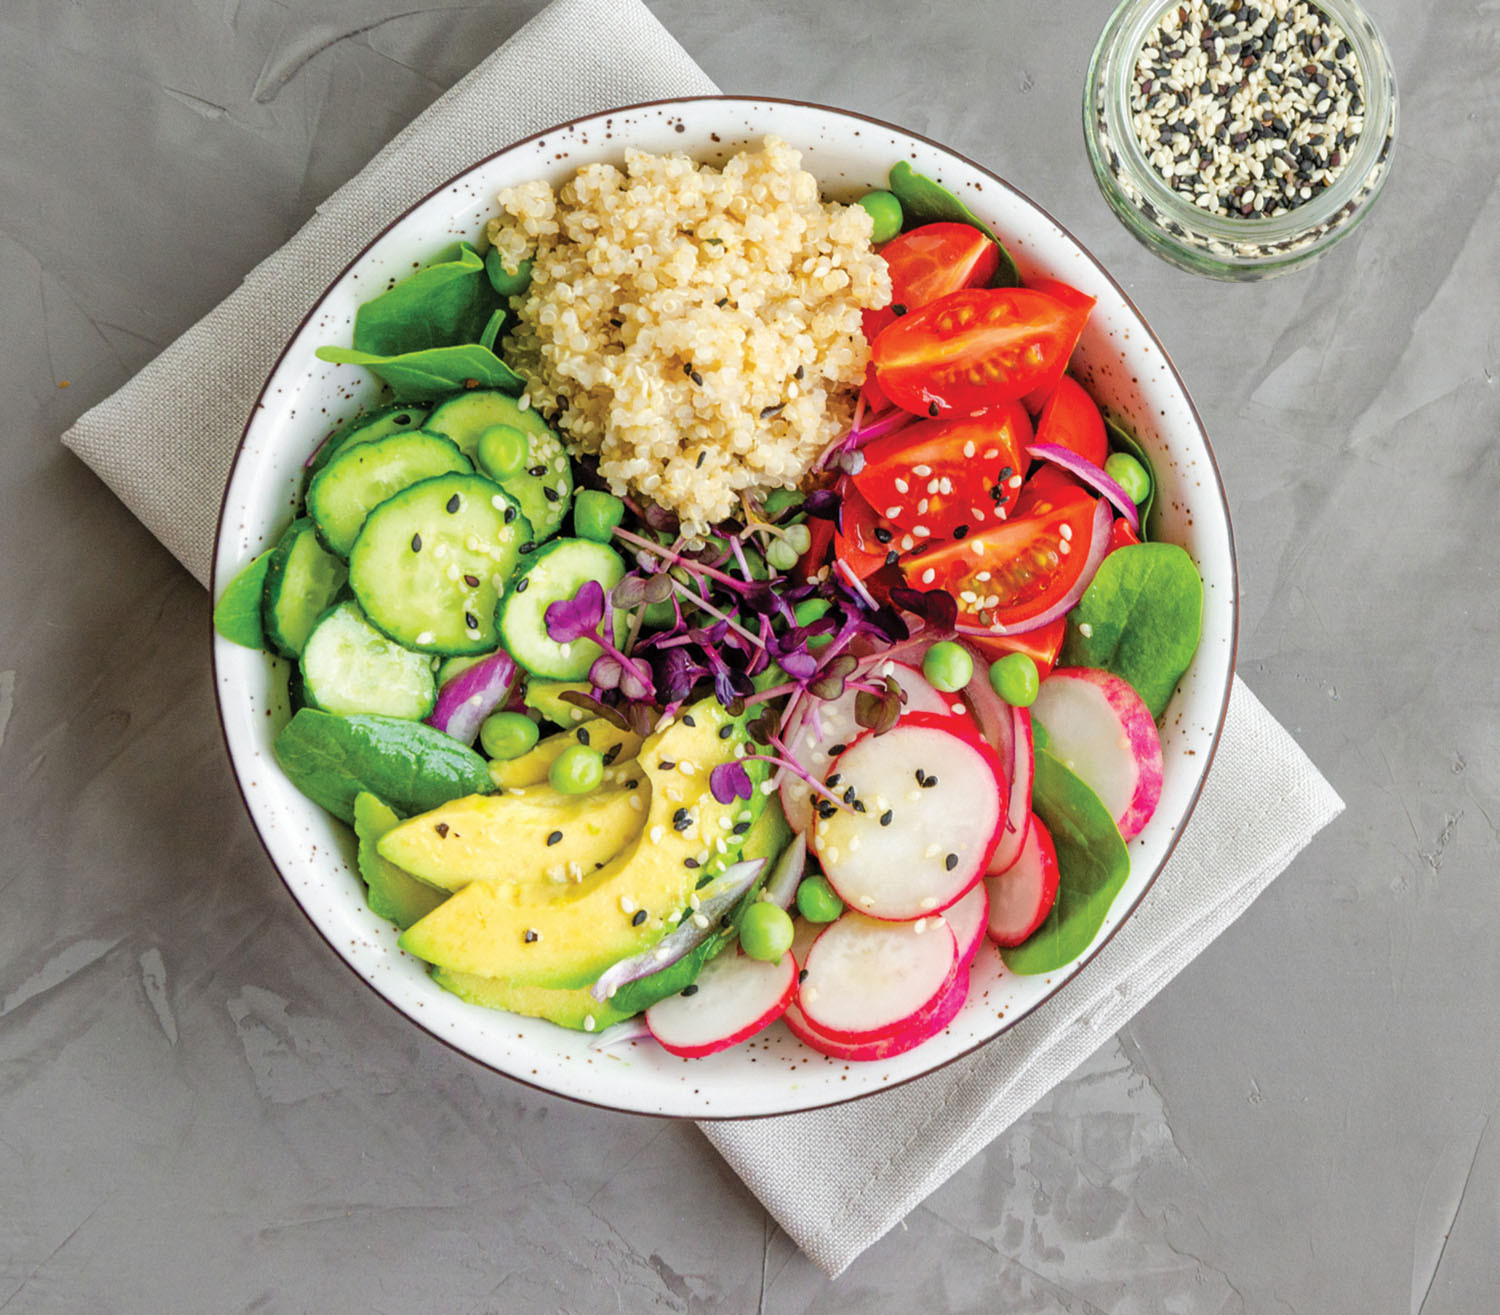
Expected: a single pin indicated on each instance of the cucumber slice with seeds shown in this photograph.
(302, 580)
(363, 476)
(349, 667)
(544, 486)
(365, 429)
(554, 574)
(432, 562)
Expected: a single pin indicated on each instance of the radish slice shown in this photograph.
(865, 980)
(818, 740)
(1022, 897)
(734, 997)
(933, 795)
(1018, 810)
(897, 1043)
(1100, 728)
(967, 919)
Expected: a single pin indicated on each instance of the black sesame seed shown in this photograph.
(537, 471)
(897, 308)
(690, 989)
(510, 515)
(802, 975)
(416, 543)
(951, 862)
(631, 783)
(550, 494)
(471, 620)
(702, 457)
(638, 918)
(962, 532)
(472, 581)
(453, 504)
(611, 754)
(725, 732)
(798, 373)
(696, 378)
(892, 557)
(882, 535)
(766, 412)
(929, 783)
(442, 829)
(834, 780)
(690, 863)
(885, 817)
(932, 410)
(553, 838)
(523, 584)
(741, 827)
(531, 936)
(528, 547)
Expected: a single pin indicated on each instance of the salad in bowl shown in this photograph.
(722, 608)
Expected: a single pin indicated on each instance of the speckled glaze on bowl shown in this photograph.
(1119, 359)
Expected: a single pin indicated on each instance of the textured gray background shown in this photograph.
(200, 1109)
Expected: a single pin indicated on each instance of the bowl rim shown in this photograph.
(1234, 608)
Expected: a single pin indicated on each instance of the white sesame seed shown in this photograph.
(588, 1023)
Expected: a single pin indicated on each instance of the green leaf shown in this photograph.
(237, 613)
(1140, 618)
(414, 766)
(924, 201)
(443, 305)
(1122, 440)
(394, 895)
(1092, 862)
(491, 332)
(425, 375)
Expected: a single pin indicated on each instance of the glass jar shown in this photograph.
(1197, 239)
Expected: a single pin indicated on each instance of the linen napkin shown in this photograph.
(164, 443)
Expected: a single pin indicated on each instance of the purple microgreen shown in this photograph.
(629, 592)
(659, 519)
(606, 672)
(878, 712)
(799, 666)
(578, 617)
(823, 504)
(829, 684)
(641, 718)
(595, 708)
(676, 558)
(730, 781)
(765, 728)
(936, 607)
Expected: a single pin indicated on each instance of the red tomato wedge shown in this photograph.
(974, 350)
(927, 263)
(1121, 535)
(1047, 486)
(947, 478)
(1014, 572)
(822, 534)
(1069, 296)
(864, 540)
(1041, 645)
(1071, 419)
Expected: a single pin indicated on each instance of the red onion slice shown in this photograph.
(1082, 468)
(466, 700)
(888, 422)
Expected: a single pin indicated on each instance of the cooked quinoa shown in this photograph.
(697, 328)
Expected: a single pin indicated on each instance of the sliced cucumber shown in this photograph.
(302, 580)
(432, 562)
(363, 476)
(554, 574)
(544, 486)
(349, 667)
(365, 429)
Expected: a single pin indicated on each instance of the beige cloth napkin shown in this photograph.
(836, 1179)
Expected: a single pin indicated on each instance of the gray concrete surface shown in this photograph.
(199, 1108)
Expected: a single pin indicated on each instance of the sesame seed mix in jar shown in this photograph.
(1240, 139)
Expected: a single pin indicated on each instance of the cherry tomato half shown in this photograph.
(812, 560)
(1071, 419)
(1037, 398)
(864, 540)
(1047, 486)
(974, 350)
(949, 477)
(927, 263)
(1015, 571)
(1041, 645)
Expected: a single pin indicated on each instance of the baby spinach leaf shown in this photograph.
(1140, 618)
(1122, 440)
(237, 613)
(425, 375)
(446, 303)
(415, 767)
(492, 330)
(394, 895)
(1092, 863)
(925, 201)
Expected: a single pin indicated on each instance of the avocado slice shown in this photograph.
(536, 834)
(565, 935)
(533, 766)
(392, 894)
(545, 697)
(574, 1008)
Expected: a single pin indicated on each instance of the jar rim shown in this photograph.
(1110, 85)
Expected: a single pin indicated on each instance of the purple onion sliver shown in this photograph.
(888, 423)
(1092, 475)
(786, 875)
(714, 901)
(629, 1029)
(466, 700)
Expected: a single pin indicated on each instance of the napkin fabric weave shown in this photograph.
(836, 1179)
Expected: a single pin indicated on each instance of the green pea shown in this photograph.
(808, 611)
(502, 280)
(1014, 678)
(782, 555)
(799, 537)
(778, 500)
(817, 901)
(948, 666)
(765, 931)
(1130, 475)
(595, 514)
(885, 214)
(577, 770)
(507, 734)
(502, 451)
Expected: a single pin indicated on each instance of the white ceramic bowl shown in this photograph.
(1125, 367)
